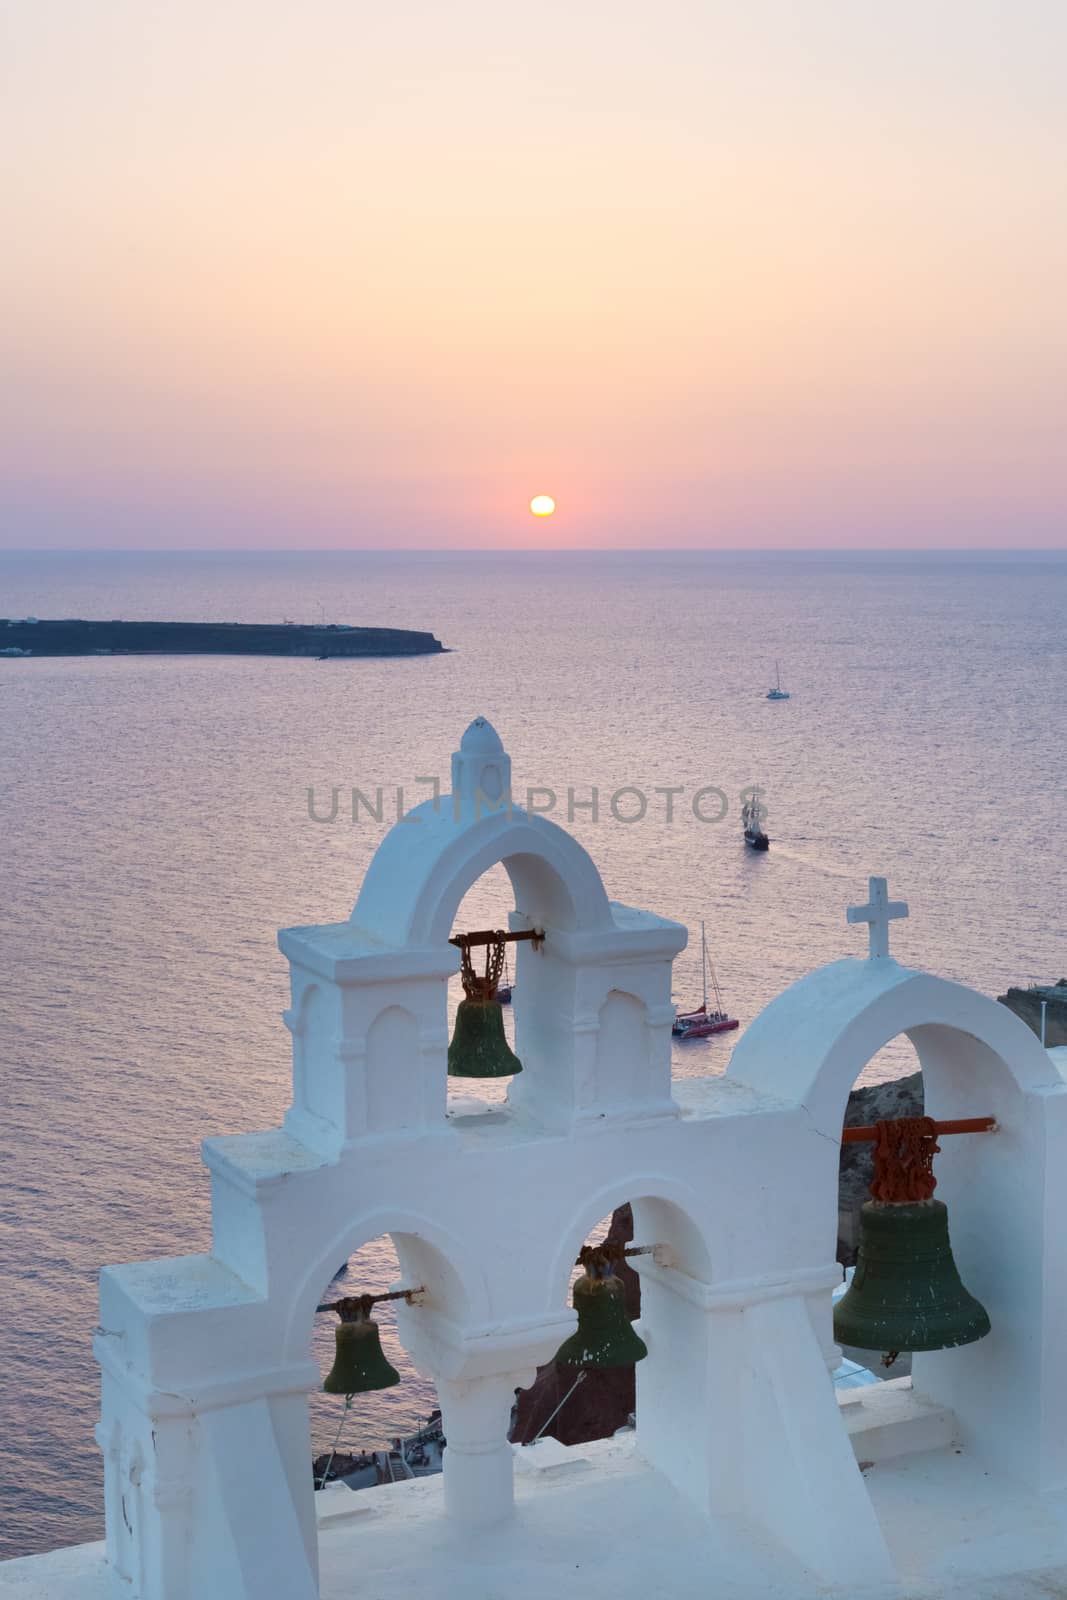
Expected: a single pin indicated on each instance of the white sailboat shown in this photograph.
(777, 693)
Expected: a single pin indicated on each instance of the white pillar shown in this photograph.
(773, 1450)
(478, 1459)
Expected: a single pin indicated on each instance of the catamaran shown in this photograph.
(777, 693)
(699, 1023)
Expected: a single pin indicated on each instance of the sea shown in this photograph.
(163, 817)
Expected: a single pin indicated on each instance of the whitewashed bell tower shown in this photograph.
(367, 1148)
(205, 1359)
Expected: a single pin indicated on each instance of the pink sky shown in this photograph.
(786, 273)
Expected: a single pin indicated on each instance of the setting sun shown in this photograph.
(542, 505)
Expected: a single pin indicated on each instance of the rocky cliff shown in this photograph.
(1026, 1003)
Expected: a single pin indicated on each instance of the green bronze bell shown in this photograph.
(906, 1293)
(479, 1048)
(359, 1363)
(605, 1335)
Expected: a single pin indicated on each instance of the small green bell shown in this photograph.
(906, 1293)
(605, 1335)
(360, 1364)
(479, 1048)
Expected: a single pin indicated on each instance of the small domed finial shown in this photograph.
(481, 771)
(481, 738)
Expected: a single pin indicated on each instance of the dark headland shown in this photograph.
(74, 638)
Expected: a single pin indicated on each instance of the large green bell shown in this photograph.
(605, 1335)
(906, 1293)
(479, 1048)
(359, 1363)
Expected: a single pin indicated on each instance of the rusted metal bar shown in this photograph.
(612, 1252)
(368, 1300)
(960, 1125)
(497, 936)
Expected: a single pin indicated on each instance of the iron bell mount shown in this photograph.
(906, 1292)
(479, 1048)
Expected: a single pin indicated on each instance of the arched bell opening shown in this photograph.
(812, 1044)
(483, 1040)
(575, 1402)
(918, 1220)
(627, 1277)
(383, 1253)
(367, 1437)
(534, 883)
(982, 1260)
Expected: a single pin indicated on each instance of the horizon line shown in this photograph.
(539, 550)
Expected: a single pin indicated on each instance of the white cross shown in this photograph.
(879, 912)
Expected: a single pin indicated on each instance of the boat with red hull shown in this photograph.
(702, 1022)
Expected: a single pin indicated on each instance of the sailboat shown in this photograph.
(752, 822)
(777, 693)
(700, 1023)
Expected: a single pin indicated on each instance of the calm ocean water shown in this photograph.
(156, 834)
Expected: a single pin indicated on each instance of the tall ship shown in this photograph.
(752, 822)
(701, 1022)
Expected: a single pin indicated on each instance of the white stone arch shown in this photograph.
(672, 1383)
(811, 1043)
(429, 860)
(429, 1257)
(665, 1211)
(807, 1049)
(427, 863)
(394, 950)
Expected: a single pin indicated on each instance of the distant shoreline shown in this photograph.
(73, 637)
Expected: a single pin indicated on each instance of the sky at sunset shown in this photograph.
(711, 273)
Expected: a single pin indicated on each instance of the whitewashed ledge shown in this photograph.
(596, 1520)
